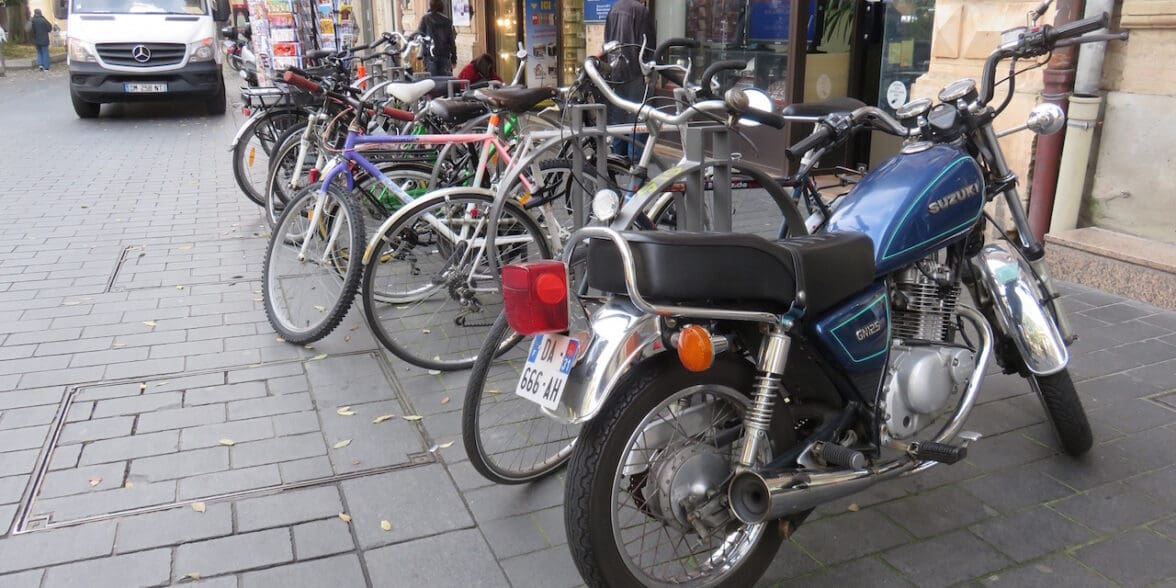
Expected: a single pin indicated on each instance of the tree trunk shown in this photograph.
(15, 18)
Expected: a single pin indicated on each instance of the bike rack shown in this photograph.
(695, 141)
(580, 128)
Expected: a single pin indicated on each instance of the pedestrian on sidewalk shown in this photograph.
(41, 28)
(438, 26)
(630, 24)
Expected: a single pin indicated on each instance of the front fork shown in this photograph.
(1031, 249)
(773, 358)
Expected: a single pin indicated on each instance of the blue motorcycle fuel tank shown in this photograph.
(913, 204)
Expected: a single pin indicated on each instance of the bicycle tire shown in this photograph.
(276, 193)
(333, 307)
(265, 128)
(394, 315)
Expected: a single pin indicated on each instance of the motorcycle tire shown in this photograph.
(1065, 412)
(603, 443)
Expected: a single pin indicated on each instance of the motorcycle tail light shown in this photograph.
(535, 296)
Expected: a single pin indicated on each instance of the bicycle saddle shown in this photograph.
(456, 110)
(514, 99)
(823, 108)
(409, 92)
(739, 270)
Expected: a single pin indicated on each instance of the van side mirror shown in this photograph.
(61, 9)
(220, 10)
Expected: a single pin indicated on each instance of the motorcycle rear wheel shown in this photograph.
(598, 487)
(1065, 412)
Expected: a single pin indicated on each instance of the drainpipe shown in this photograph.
(1059, 81)
(1085, 106)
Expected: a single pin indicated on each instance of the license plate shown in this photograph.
(548, 364)
(144, 88)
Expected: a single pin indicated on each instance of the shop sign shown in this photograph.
(597, 10)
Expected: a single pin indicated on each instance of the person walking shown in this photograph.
(41, 28)
(438, 26)
(630, 24)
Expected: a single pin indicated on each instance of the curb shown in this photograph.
(31, 63)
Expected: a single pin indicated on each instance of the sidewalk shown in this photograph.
(153, 430)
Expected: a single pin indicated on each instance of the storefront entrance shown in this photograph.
(552, 32)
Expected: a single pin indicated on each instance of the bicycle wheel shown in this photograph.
(251, 154)
(428, 292)
(312, 265)
(285, 178)
(508, 439)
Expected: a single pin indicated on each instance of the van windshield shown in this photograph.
(139, 7)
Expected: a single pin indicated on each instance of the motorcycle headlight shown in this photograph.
(81, 51)
(201, 50)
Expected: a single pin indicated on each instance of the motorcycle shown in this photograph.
(726, 385)
(238, 52)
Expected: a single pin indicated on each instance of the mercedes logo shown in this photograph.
(141, 54)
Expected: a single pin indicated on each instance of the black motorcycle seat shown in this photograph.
(823, 108)
(737, 270)
(514, 99)
(456, 110)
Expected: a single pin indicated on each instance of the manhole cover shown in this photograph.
(150, 445)
(188, 264)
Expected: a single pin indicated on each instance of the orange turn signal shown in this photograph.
(695, 350)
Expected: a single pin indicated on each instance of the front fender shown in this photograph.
(619, 336)
(1019, 309)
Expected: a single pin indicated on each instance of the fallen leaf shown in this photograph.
(117, 345)
(199, 507)
(70, 303)
(434, 372)
(445, 400)
(383, 418)
(95, 480)
(191, 577)
(318, 357)
(494, 391)
(345, 517)
(279, 340)
(346, 338)
(185, 247)
(345, 411)
(343, 443)
(446, 445)
(149, 323)
(355, 327)
(179, 287)
(853, 507)
(142, 386)
(411, 417)
(355, 462)
(259, 300)
(163, 383)
(385, 525)
(129, 485)
(426, 331)
(320, 308)
(228, 442)
(308, 346)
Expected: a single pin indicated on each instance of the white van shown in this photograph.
(133, 50)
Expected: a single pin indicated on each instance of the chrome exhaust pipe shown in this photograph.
(757, 497)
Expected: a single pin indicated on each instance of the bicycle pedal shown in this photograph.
(940, 452)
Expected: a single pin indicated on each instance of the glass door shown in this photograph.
(505, 34)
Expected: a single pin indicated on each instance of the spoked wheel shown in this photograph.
(251, 155)
(428, 292)
(644, 502)
(1065, 411)
(509, 440)
(313, 264)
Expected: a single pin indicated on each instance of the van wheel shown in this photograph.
(216, 103)
(83, 108)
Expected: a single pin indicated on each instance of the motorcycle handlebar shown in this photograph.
(1076, 28)
(821, 136)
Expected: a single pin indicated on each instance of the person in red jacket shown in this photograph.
(480, 69)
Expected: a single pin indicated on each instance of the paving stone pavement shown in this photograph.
(170, 388)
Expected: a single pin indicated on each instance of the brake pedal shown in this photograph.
(940, 452)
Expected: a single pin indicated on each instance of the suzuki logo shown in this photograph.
(141, 54)
(954, 198)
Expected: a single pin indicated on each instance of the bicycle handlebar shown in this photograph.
(713, 106)
(298, 81)
(714, 69)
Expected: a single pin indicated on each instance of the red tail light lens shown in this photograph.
(313, 176)
(535, 295)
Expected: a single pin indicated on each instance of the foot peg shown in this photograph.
(838, 455)
(940, 452)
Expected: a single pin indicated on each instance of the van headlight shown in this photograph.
(81, 51)
(202, 50)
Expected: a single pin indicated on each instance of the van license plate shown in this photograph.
(144, 88)
(548, 364)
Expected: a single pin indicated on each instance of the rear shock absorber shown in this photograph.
(773, 358)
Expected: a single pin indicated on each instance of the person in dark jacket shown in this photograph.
(41, 28)
(438, 26)
(630, 24)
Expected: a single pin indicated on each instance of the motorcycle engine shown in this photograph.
(926, 367)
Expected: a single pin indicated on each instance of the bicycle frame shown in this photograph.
(351, 153)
